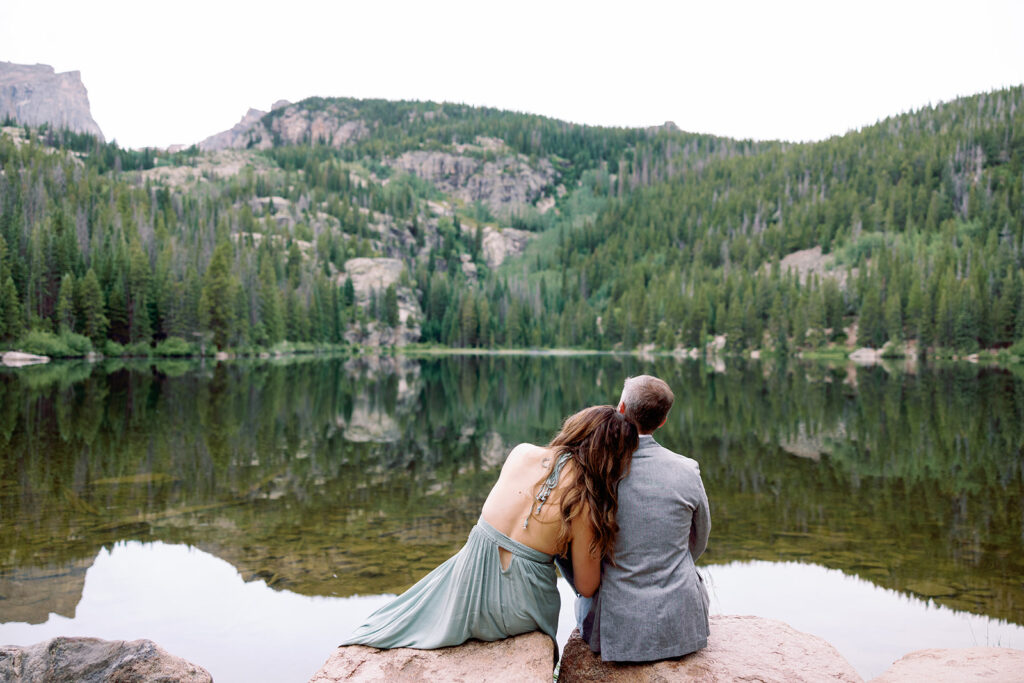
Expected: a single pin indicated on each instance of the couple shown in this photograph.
(624, 517)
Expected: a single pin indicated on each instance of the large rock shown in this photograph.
(499, 245)
(238, 135)
(370, 275)
(91, 660)
(529, 657)
(994, 664)
(17, 359)
(505, 184)
(35, 94)
(331, 122)
(739, 649)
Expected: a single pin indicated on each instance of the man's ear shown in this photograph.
(622, 407)
(663, 422)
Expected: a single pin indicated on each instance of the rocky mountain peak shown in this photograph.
(35, 94)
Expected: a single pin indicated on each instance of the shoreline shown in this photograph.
(16, 358)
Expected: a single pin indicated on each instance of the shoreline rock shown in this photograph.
(92, 660)
(19, 359)
(739, 648)
(524, 658)
(956, 664)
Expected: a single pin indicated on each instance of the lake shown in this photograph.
(248, 515)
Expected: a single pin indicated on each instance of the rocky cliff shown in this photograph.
(36, 94)
(485, 171)
(505, 183)
(334, 123)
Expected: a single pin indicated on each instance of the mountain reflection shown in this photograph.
(338, 477)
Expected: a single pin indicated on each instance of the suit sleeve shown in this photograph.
(700, 526)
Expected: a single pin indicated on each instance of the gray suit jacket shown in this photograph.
(652, 604)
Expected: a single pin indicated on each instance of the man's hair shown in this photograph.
(647, 400)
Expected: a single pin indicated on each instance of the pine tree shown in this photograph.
(216, 304)
(893, 317)
(139, 328)
(870, 326)
(348, 293)
(11, 325)
(117, 315)
(66, 303)
(391, 306)
(92, 320)
(270, 304)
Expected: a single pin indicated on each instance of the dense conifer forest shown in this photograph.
(911, 230)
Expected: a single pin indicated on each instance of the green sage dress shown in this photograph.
(471, 596)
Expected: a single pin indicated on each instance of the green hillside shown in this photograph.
(920, 216)
(911, 229)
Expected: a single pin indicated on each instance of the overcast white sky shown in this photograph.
(175, 72)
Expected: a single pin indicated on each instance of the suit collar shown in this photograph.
(645, 441)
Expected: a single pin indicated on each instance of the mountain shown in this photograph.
(340, 220)
(36, 95)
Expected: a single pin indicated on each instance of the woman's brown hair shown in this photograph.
(601, 442)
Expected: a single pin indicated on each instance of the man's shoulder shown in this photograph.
(669, 457)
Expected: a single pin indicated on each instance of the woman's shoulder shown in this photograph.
(524, 453)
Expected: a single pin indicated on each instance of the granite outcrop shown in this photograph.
(35, 94)
(92, 660)
(740, 648)
(523, 659)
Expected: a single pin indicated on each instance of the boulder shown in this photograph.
(866, 356)
(88, 660)
(17, 359)
(739, 648)
(529, 657)
(961, 664)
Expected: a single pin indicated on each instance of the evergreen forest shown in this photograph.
(908, 232)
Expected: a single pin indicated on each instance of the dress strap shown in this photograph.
(550, 483)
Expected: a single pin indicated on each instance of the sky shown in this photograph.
(161, 73)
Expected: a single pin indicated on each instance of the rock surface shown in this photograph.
(88, 660)
(505, 184)
(961, 664)
(237, 136)
(499, 245)
(35, 94)
(739, 648)
(332, 123)
(370, 275)
(529, 657)
(17, 359)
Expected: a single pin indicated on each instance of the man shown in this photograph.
(652, 604)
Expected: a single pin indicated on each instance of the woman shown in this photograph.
(549, 500)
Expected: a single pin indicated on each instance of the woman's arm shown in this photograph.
(586, 566)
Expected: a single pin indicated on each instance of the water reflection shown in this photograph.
(871, 626)
(357, 476)
(198, 607)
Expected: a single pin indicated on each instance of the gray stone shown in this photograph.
(528, 657)
(35, 94)
(334, 124)
(995, 664)
(17, 359)
(505, 184)
(740, 648)
(91, 660)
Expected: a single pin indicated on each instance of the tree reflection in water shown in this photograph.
(356, 476)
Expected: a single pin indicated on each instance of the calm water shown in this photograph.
(247, 516)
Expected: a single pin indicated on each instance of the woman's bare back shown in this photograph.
(511, 502)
